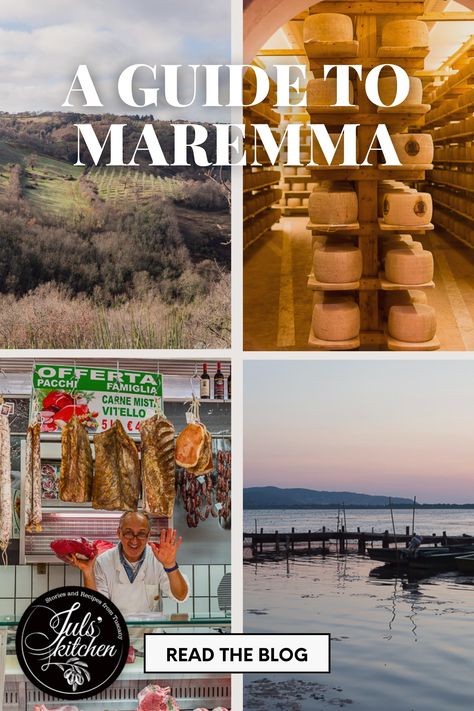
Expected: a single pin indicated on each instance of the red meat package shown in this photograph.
(81, 547)
(156, 698)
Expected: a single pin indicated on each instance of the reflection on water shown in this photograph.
(400, 642)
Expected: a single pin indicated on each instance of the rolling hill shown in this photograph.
(269, 497)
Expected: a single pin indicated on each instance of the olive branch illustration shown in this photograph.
(74, 671)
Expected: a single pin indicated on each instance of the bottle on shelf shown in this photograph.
(219, 383)
(205, 384)
(229, 386)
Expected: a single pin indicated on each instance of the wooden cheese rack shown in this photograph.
(365, 17)
(264, 193)
(452, 182)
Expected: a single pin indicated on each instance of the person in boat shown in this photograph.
(414, 544)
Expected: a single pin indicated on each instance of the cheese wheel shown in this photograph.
(302, 170)
(305, 202)
(413, 148)
(411, 209)
(323, 92)
(337, 264)
(294, 202)
(405, 33)
(336, 320)
(333, 207)
(328, 27)
(329, 34)
(299, 186)
(388, 90)
(404, 297)
(381, 192)
(405, 266)
(386, 247)
(415, 323)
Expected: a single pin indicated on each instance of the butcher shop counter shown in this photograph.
(18, 694)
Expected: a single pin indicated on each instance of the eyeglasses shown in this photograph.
(141, 536)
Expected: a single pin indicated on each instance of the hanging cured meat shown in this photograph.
(194, 449)
(33, 513)
(5, 485)
(116, 485)
(204, 464)
(189, 445)
(158, 465)
(75, 480)
(223, 493)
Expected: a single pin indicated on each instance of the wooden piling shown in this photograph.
(292, 539)
(277, 542)
(261, 541)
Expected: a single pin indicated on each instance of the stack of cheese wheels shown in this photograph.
(413, 323)
(414, 148)
(329, 34)
(333, 204)
(409, 267)
(387, 247)
(404, 35)
(335, 318)
(388, 91)
(337, 264)
(320, 159)
(412, 209)
(323, 92)
(404, 297)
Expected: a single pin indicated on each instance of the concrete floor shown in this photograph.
(277, 304)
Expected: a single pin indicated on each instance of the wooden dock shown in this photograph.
(319, 542)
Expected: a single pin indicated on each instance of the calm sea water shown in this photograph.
(426, 521)
(398, 643)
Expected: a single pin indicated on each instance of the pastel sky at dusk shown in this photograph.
(401, 428)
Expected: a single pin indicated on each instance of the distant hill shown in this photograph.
(273, 497)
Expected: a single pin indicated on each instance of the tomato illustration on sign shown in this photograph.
(57, 408)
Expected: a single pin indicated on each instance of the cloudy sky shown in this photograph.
(43, 42)
(396, 428)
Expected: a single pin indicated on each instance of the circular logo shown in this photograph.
(72, 642)
(412, 147)
(420, 208)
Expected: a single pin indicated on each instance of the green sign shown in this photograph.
(98, 396)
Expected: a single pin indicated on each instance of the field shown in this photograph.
(107, 257)
(132, 184)
(52, 186)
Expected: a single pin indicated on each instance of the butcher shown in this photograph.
(136, 573)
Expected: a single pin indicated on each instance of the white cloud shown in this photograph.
(42, 44)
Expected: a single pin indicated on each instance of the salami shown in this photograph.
(158, 465)
(5, 486)
(33, 512)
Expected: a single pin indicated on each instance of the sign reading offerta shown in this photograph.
(97, 396)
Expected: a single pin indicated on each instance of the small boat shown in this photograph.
(465, 563)
(410, 558)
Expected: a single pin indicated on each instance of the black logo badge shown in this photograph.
(72, 642)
